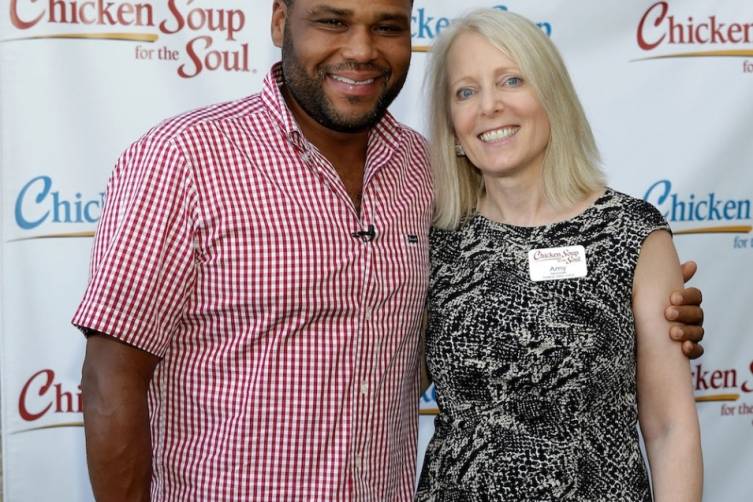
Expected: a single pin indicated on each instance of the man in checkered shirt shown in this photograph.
(258, 279)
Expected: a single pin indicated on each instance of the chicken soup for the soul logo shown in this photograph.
(731, 387)
(41, 209)
(704, 212)
(212, 29)
(47, 402)
(670, 30)
(426, 25)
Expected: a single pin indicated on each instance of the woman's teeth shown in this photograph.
(498, 134)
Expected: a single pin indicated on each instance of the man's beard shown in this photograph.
(309, 92)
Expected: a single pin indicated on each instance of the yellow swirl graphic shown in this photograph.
(118, 37)
(731, 53)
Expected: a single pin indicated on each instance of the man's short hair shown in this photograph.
(290, 2)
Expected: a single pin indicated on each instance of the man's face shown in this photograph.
(344, 61)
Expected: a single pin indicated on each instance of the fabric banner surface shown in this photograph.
(666, 85)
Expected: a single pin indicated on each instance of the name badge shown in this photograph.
(553, 264)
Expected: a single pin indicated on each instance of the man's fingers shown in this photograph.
(687, 296)
(685, 314)
(687, 333)
(689, 269)
(692, 350)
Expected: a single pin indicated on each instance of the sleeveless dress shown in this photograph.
(536, 381)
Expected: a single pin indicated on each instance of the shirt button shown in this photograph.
(368, 313)
(364, 388)
(357, 461)
(305, 156)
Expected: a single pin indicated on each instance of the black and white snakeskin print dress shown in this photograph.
(536, 381)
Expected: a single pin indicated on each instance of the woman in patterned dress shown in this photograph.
(546, 337)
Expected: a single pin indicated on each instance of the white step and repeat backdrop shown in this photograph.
(668, 87)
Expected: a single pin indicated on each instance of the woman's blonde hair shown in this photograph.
(571, 163)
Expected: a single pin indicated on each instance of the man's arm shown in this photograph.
(686, 315)
(115, 379)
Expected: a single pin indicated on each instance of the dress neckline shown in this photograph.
(600, 200)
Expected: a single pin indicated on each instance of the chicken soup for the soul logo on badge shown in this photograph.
(668, 30)
(45, 401)
(426, 24)
(211, 28)
(43, 210)
(704, 212)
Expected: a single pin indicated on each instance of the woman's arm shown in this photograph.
(666, 408)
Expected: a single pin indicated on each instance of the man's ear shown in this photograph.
(279, 15)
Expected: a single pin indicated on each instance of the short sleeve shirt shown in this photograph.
(229, 248)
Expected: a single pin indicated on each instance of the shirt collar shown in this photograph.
(388, 131)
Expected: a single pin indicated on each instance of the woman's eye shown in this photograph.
(464, 93)
(513, 82)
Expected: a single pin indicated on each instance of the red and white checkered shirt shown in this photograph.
(288, 346)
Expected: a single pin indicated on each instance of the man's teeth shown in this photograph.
(498, 134)
(352, 82)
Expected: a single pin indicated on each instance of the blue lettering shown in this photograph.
(714, 213)
(709, 208)
(743, 213)
(698, 215)
(729, 209)
(442, 23)
(87, 210)
(664, 187)
(430, 395)
(424, 30)
(46, 185)
(37, 195)
(59, 206)
(679, 206)
(426, 27)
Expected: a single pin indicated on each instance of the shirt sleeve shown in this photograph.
(142, 273)
(639, 221)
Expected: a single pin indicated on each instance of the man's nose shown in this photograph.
(360, 45)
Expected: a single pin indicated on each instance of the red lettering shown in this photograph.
(23, 410)
(16, 20)
(716, 378)
(700, 39)
(642, 42)
(179, 21)
(700, 378)
(82, 12)
(734, 29)
(103, 13)
(197, 62)
(745, 387)
(717, 36)
(124, 9)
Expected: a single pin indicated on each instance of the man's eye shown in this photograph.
(331, 23)
(390, 29)
(464, 93)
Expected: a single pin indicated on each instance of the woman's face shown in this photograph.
(495, 114)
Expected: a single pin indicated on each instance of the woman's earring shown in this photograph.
(459, 150)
